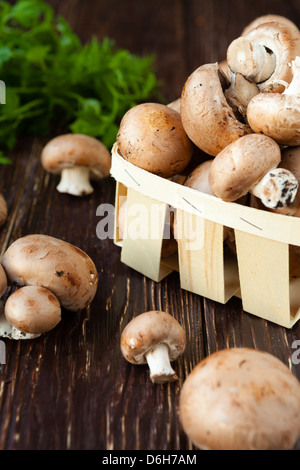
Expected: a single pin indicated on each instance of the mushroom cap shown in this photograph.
(277, 116)
(199, 178)
(151, 137)
(241, 399)
(33, 309)
(269, 18)
(241, 165)
(207, 118)
(284, 42)
(72, 150)
(149, 329)
(41, 260)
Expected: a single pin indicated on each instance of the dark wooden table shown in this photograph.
(71, 388)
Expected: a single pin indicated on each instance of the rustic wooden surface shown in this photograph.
(72, 389)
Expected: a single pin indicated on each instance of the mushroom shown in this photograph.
(199, 178)
(154, 338)
(241, 399)
(223, 66)
(41, 260)
(207, 117)
(240, 93)
(277, 115)
(175, 105)
(78, 158)
(270, 18)
(264, 55)
(151, 137)
(250, 165)
(290, 160)
(33, 309)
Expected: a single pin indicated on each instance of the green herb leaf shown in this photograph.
(51, 77)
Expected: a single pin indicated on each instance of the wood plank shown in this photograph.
(72, 389)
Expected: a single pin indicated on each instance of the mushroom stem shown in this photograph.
(278, 188)
(75, 181)
(159, 364)
(240, 93)
(252, 60)
(294, 87)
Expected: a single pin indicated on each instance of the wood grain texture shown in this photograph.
(72, 389)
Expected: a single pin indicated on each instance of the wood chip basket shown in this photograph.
(259, 272)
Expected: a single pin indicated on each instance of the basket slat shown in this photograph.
(264, 277)
(142, 245)
(202, 266)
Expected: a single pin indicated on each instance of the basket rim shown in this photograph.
(273, 226)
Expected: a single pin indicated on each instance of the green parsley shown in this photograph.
(54, 80)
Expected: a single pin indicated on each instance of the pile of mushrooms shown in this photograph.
(40, 275)
(243, 114)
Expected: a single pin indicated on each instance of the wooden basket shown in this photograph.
(259, 273)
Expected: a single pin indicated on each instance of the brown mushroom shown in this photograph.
(199, 178)
(277, 115)
(77, 158)
(41, 260)
(241, 399)
(207, 117)
(264, 55)
(33, 309)
(151, 136)
(250, 165)
(154, 338)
